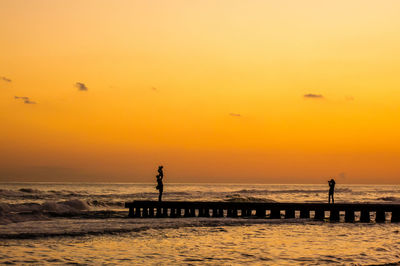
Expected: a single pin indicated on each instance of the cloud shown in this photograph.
(81, 86)
(5, 79)
(235, 114)
(154, 88)
(25, 100)
(22, 98)
(313, 96)
(350, 98)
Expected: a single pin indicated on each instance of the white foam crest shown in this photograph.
(29, 190)
(69, 206)
(240, 198)
(390, 199)
(54, 195)
(34, 211)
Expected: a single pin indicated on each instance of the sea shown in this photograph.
(87, 224)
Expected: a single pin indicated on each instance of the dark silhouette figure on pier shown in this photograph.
(160, 171)
(332, 184)
(160, 185)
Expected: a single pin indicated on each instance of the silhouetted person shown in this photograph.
(160, 185)
(160, 171)
(332, 184)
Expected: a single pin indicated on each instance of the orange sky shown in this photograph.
(216, 91)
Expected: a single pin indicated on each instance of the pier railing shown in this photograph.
(317, 211)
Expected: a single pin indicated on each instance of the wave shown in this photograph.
(76, 228)
(29, 190)
(29, 193)
(49, 206)
(259, 191)
(239, 198)
(390, 199)
(11, 213)
(99, 203)
(38, 194)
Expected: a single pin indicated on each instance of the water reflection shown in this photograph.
(280, 244)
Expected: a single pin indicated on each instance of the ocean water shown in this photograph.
(86, 223)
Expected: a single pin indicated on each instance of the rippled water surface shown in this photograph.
(87, 224)
(272, 243)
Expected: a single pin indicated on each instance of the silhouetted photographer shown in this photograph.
(160, 185)
(332, 184)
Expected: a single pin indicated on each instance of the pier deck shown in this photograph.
(317, 211)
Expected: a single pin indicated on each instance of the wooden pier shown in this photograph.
(317, 211)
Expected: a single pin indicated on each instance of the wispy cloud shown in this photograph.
(313, 96)
(349, 98)
(235, 114)
(154, 89)
(81, 86)
(24, 99)
(5, 79)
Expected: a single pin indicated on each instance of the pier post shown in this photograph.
(172, 213)
(275, 214)
(234, 212)
(201, 212)
(151, 212)
(164, 212)
(395, 216)
(145, 213)
(214, 212)
(137, 212)
(304, 213)
(229, 213)
(187, 212)
(349, 216)
(178, 212)
(131, 212)
(365, 218)
(289, 213)
(207, 212)
(220, 212)
(260, 213)
(334, 215)
(159, 212)
(380, 216)
(244, 213)
(319, 214)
